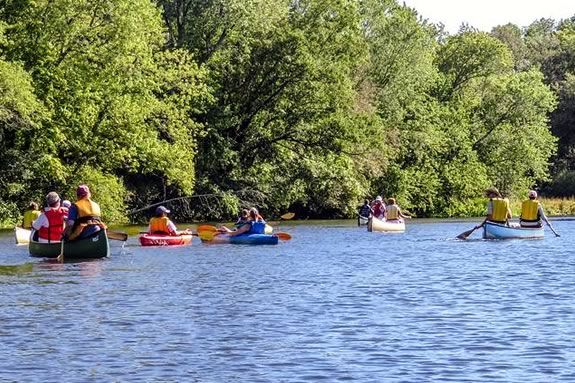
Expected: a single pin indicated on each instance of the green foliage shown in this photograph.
(106, 189)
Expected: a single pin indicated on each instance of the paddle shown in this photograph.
(552, 229)
(283, 236)
(467, 233)
(287, 216)
(60, 257)
(208, 228)
(117, 235)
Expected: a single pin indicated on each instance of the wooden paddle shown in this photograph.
(117, 235)
(60, 257)
(467, 233)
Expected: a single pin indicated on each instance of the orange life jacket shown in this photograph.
(159, 225)
(87, 210)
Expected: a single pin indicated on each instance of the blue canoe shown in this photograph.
(245, 239)
(498, 231)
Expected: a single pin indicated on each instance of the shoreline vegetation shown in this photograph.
(300, 106)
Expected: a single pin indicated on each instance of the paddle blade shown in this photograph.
(283, 236)
(287, 216)
(117, 235)
(207, 228)
(206, 235)
(466, 234)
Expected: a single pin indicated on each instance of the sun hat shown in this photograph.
(82, 191)
(52, 198)
(161, 209)
(492, 190)
(66, 203)
(532, 194)
(379, 198)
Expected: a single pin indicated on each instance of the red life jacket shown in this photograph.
(56, 221)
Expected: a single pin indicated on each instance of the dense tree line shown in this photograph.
(308, 106)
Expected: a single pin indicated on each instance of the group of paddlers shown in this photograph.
(498, 209)
(63, 219)
(378, 209)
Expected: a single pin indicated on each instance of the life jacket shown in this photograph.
(87, 210)
(257, 228)
(159, 225)
(499, 213)
(530, 211)
(392, 212)
(55, 229)
(29, 217)
(378, 210)
(365, 211)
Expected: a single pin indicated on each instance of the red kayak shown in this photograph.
(165, 240)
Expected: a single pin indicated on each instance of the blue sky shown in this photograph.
(485, 14)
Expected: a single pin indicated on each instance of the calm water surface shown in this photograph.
(334, 304)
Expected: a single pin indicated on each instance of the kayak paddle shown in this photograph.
(467, 233)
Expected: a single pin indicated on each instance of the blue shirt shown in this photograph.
(88, 230)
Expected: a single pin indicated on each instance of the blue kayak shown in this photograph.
(493, 230)
(245, 239)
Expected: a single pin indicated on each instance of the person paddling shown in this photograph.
(532, 213)
(498, 211)
(378, 208)
(84, 216)
(161, 224)
(255, 225)
(393, 211)
(50, 224)
(365, 212)
(30, 215)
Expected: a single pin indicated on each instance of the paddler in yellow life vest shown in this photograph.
(532, 212)
(393, 211)
(161, 224)
(498, 210)
(84, 216)
(30, 215)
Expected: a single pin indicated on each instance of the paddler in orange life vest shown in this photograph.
(393, 211)
(532, 212)
(498, 210)
(50, 224)
(161, 224)
(30, 215)
(84, 216)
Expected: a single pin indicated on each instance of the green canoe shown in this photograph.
(96, 246)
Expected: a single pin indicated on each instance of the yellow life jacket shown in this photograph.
(392, 212)
(88, 209)
(530, 210)
(29, 217)
(159, 225)
(500, 208)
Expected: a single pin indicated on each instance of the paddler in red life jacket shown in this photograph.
(378, 208)
(161, 224)
(498, 210)
(532, 212)
(50, 224)
(84, 216)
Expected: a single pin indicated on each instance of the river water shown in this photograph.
(334, 304)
